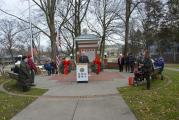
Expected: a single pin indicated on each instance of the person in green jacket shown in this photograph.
(147, 68)
(24, 74)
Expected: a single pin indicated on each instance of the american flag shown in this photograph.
(58, 42)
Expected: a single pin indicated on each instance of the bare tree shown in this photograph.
(81, 7)
(9, 32)
(72, 17)
(104, 22)
(49, 8)
(130, 6)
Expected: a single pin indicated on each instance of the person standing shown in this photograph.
(97, 62)
(33, 69)
(131, 62)
(126, 61)
(54, 67)
(24, 74)
(83, 58)
(48, 68)
(147, 67)
(121, 62)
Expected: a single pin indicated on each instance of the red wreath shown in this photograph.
(98, 63)
(66, 66)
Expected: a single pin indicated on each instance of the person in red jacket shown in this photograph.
(33, 69)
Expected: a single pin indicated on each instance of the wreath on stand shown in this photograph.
(65, 67)
(97, 66)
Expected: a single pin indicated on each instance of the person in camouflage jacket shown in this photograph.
(24, 73)
(147, 68)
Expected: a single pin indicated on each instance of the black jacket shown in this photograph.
(84, 59)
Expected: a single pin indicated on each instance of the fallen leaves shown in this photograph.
(156, 104)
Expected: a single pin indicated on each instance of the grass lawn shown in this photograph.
(11, 105)
(172, 65)
(2, 79)
(11, 86)
(159, 103)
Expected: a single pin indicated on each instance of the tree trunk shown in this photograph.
(128, 7)
(103, 51)
(12, 56)
(101, 46)
(77, 18)
(53, 47)
(53, 39)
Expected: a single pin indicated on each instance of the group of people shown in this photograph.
(51, 67)
(127, 61)
(143, 60)
(26, 69)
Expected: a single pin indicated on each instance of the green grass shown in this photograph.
(10, 105)
(172, 65)
(3, 79)
(159, 103)
(11, 86)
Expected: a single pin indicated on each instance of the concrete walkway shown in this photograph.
(96, 100)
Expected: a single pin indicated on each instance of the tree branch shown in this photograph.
(25, 22)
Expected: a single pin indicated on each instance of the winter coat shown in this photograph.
(147, 66)
(83, 59)
(24, 71)
(48, 66)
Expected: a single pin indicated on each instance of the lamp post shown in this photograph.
(30, 25)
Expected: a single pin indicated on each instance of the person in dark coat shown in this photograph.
(147, 68)
(16, 69)
(83, 58)
(121, 62)
(48, 68)
(24, 73)
(131, 62)
(126, 62)
(54, 67)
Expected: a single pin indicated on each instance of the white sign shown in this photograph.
(82, 72)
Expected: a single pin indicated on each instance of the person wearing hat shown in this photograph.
(24, 73)
(33, 69)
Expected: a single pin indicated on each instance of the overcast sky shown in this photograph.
(17, 7)
(20, 9)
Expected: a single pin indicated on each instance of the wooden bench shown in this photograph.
(24, 84)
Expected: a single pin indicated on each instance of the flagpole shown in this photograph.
(30, 24)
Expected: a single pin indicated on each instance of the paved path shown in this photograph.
(96, 100)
